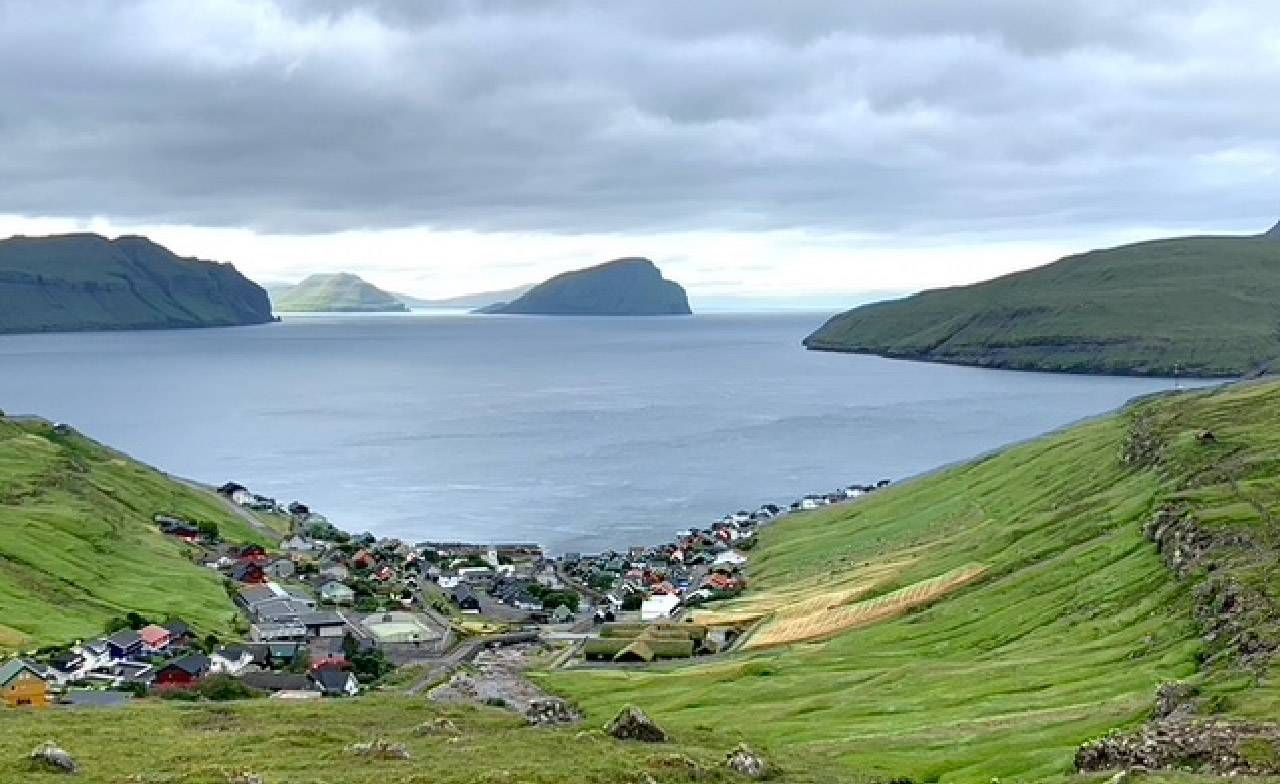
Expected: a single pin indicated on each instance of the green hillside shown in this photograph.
(336, 293)
(87, 282)
(1206, 306)
(1072, 619)
(78, 545)
(1066, 636)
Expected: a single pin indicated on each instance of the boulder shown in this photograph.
(549, 711)
(245, 777)
(53, 757)
(631, 723)
(744, 761)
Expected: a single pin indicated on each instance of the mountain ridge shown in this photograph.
(84, 281)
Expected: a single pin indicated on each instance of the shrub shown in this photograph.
(224, 687)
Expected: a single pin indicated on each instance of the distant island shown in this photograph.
(481, 299)
(339, 292)
(75, 282)
(1196, 306)
(622, 287)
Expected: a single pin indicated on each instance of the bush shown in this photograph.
(224, 687)
(632, 601)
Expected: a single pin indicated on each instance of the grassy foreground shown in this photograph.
(78, 545)
(1203, 305)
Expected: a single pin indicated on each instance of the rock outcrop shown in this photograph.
(623, 287)
(1205, 746)
(631, 723)
(74, 282)
(746, 762)
(52, 757)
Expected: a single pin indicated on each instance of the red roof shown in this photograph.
(154, 636)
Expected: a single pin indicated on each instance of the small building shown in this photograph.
(21, 685)
(280, 569)
(323, 624)
(466, 599)
(658, 607)
(124, 643)
(230, 659)
(155, 638)
(729, 558)
(334, 682)
(562, 614)
(180, 632)
(277, 681)
(278, 632)
(184, 671)
(335, 592)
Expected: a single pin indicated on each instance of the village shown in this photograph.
(329, 614)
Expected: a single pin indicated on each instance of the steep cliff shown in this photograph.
(75, 282)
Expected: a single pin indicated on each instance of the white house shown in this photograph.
(230, 660)
(729, 558)
(658, 607)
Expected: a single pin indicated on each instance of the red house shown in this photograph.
(183, 672)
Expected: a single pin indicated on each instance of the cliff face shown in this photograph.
(340, 292)
(76, 282)
(623, 287)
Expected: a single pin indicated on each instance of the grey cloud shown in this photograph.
(317, 115)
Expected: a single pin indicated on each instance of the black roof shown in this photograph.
(125, 638)
(276, 681)
(179, 628)
(195, 664)
(332, 680)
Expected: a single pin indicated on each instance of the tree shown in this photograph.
(209, 530)
(632, 601)
(553, 599)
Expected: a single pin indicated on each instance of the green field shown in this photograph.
(78, 545)
(1207, 306)
(1067, 621)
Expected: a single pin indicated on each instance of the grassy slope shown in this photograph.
(1208, 304)
(336, 293)
(1076, 624)
(1067, 636)
(77, 545)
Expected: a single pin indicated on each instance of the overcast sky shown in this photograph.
(750, 147)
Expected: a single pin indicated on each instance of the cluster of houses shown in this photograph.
(699, 565)
(299, 635)
(157, 658)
